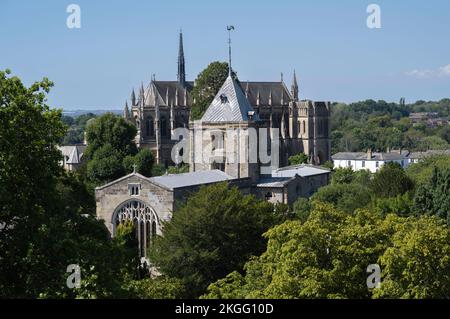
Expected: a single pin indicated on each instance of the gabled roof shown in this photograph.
(174, 181)
(229, 105)
(142, 177)
(174, 89)
(73, 154)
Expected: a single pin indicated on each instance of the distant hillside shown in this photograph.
(381, 126)
(79, 112)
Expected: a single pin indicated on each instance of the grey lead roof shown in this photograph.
(229, 105)
(303, 170)
(278, 90)
(191, 179)
(72, 153)
(274, 182)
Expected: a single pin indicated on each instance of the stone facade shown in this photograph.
(162, 106)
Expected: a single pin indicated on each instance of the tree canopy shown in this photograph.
(112, 151)
(207, 84)
(215, 232)
(46, 217)
(327, 257)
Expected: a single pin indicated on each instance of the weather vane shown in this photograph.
(229, 28)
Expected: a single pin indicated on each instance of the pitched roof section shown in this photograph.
(168, 92)
(279, 91)
(72, 153)
(362, 156)
(230, 105)
(174, 181)
(303, 170)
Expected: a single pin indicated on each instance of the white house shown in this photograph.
(415, 157)
(371, 161)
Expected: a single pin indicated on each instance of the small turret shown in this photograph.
(294, 88)
(133, 98)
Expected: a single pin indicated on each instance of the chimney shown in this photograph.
(369, 154)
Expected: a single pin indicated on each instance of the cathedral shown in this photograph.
(162, 106)
(218, 148)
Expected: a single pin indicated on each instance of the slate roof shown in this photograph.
(174, 181)
(274, 182)
(278, 90)
(362, 156)
(420, 155)
(72, 153)
(303, 170)
(229, 105)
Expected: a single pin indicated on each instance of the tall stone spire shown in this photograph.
(181, 67)
(133, 98)
(294, 88)
(229, 28)
(126, 111)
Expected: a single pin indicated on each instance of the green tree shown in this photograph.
(158, 288)
(433, 197)
(300, 158)
(45, 219)
(114, 130)
(143, 160)
(302, 208)
(391, 180)
(422, 172)
(327, 257)
(417, 263)
(207, 84)
(215, 232)
(346, 197)
(343, 176)
(110, 146)
(106, 165)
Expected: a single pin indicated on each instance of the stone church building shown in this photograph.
(163, 106)
(243, 108)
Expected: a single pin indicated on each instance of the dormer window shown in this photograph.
(223, 98)
(134, 189)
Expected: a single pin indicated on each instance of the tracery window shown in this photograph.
(144, 219)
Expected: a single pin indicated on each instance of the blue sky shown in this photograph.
(327, 42)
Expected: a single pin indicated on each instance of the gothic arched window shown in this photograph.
(144, 221)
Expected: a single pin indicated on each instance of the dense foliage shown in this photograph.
(327, 257)
(46, 216)
(300, 158)
(215, 232)
(76, 128)
(112, 151)
(382, 126)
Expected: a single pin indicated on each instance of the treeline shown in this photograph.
(381, 126)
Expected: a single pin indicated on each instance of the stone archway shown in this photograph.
(144, 219)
